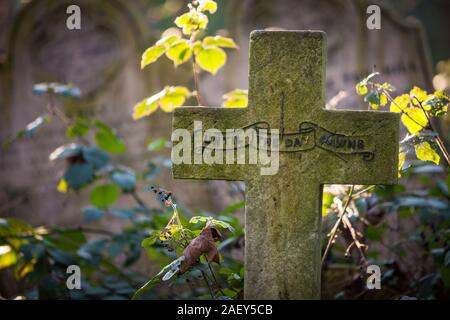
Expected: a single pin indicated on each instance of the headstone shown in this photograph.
(316, 146)
(102, 58)
(398, 50)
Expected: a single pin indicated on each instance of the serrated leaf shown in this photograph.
(414, 119)
(220, 41)
(152, 54)
(179, 52)
(400, 103)
(425, 152)
(211, 59)
(104, 195)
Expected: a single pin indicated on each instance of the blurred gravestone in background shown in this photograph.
(398, 50)
(102, 59)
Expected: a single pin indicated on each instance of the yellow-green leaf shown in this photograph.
(174, 97)
(235, 99)
(167, 40)
(425, 152)
(220, 41)
(152, 54)
(400, 103)
(211, 59)
(207, 5)
(361, 88)
(414, 119)
(191, 21)
(179, 52)
(147, 106)
(327, 201)
(419, 94)
(383, 99)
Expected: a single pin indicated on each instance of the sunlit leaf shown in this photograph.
(220, 41)
(361, 88)
(167, 40)
(425, 152)
(400, 103)
(235, 99)
(179, 52)
(327, 201)
(152, 54)
(414, 119)
(211, 59)
(62, 186)
(401, 162)
(192, 21)
(207, 5)
(419, 94)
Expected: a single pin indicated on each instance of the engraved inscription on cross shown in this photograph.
(316, 147)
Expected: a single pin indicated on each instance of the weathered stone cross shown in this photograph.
(317, 146)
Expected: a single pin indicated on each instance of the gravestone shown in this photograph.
(316, 146)
(102, 58)
(399, 50)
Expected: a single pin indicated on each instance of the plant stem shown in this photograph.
(197, 82)
(207, 283)
(337, 224)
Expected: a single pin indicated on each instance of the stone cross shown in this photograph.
(316, 147)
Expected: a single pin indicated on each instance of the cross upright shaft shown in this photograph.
(317, 146)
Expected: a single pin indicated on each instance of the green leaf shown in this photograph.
(167, 40)
(220, 41)
(151, 55)
(92, 214)
(107, 139)
(211, 59)
(8, 257)
(66, 151)
(148, 242)
(235, 99)
(104, 195)
(157, 144)
(98, 158)
(79, 128)
(414, 119)
(207, 5)
(327, 201)
(179, 52)
(78, 175)
(425, 152)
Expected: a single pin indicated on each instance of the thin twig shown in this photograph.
(197, 82)
(207, 283)
(337, 224)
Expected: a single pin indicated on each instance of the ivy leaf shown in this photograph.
(92, 214)
(211, 59)
(152, 54)
(235, 99)
(400, 103)
(425, 152)
(179, 52)
(220, 41)
(207, 5)
(104, 195)
(192, 21)
(414, 119)
(107, 139)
